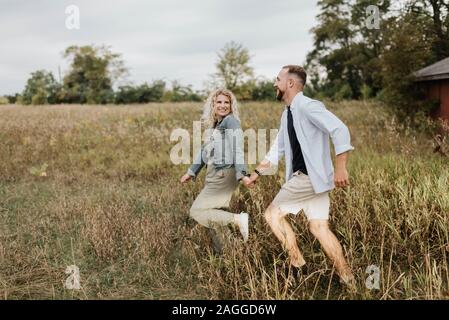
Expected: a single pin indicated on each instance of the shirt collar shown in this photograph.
(296, 100)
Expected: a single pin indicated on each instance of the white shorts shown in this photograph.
(297, 193)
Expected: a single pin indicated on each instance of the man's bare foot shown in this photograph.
(297, 262)
(347, 279)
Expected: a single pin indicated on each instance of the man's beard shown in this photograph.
(279, 95)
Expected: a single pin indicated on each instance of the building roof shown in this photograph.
(438, 70)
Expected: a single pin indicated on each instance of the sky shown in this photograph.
(158, 39)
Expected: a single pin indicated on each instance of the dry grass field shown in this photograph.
(94, 186)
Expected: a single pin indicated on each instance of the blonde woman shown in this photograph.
(222, 153)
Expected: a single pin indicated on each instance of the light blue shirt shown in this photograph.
(314, 124)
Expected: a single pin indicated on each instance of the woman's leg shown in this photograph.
(210, 217)
(216, 194)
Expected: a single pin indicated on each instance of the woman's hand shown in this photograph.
(185, 178)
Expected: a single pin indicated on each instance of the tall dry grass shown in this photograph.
(94, 186)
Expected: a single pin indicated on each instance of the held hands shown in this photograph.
(254, 176)
(248, 182)
(185, 178)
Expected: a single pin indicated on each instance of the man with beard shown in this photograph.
(303, 138)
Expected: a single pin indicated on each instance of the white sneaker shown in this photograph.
(244, 225)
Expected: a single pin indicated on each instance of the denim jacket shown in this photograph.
(224, 149)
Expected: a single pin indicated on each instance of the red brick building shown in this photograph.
(435, 81)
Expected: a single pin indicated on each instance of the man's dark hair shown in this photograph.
(298, 71)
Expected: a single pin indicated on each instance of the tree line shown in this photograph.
(93, 71)
(349, 60)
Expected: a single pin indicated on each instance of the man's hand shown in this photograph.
(185, 178)
(341, 177)
(254, 176)
(248, 182)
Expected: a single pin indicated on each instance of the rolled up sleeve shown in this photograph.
(197, 165)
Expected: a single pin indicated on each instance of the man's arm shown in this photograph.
(273, 156)
(277, 149)
(339, 133)
(328, 122)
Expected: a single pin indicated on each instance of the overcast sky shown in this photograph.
(158, 39)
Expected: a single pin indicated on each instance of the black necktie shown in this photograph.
(297, 157)
(289, 118)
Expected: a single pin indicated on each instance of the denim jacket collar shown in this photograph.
(220, 123)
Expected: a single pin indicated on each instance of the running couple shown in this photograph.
(303, 138)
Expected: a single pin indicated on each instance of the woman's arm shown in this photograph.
(197, 165)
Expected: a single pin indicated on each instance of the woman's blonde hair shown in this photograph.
(209, 119)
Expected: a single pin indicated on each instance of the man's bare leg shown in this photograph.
(332, 248)
(284, 232)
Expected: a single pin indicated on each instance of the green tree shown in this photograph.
(12, 98)
(93, 71)
(181, 92)
(233, 68)
(126, 94)
(41, 88)
(263, 90)
(351, 60)
(406, 49)
(436, 13)
(346, 52)
(153, 92)
(140, 94)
